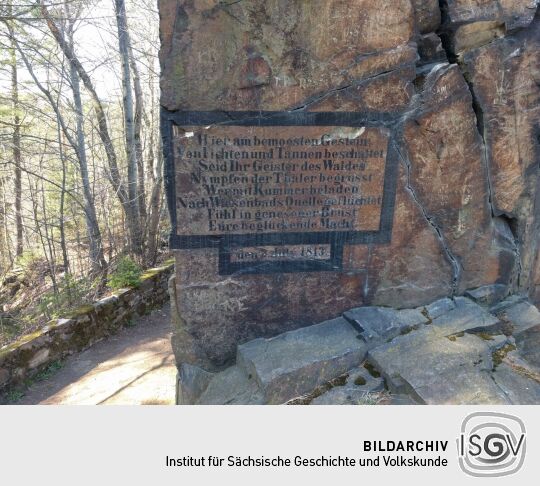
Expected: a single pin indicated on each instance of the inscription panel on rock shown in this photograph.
(273, 194)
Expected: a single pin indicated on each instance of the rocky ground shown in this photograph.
(471, 350)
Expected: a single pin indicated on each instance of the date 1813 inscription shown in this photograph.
(271, 194)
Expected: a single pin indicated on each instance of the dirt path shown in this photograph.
(134, 367)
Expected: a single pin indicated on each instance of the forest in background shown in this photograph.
(81, 189)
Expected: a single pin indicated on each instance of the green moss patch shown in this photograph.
(454, 337)
(371, 370)
(425, 313)
(81, 311)
(485, 336)
(360, 381)
(500, 354)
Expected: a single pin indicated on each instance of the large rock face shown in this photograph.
(451, 352)
(450, 93)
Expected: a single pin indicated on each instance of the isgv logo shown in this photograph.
(491, 444)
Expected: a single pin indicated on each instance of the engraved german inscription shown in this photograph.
(280, 253)
(238, 180)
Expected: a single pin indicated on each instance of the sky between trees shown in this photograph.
(80, 155)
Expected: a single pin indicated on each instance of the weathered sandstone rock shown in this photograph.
(462, 356)
(448, 96)
(504, 76)
(297, 362)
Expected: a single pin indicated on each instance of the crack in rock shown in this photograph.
(482, 131)
(453, 260)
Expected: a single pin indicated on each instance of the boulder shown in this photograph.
(231, 387)
(504, 78)
(428, 15)
(296, 362)
(448, 91)
(522, 316)
(379, 324)
(192, 383)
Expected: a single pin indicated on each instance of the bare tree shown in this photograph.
(79, 147)
(129, 117)
(16, 139)
(4, 245)
(94, 233)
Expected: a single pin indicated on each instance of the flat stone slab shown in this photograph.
(358, 390)
(379, 324)
(443, 362)
(522, 316)
(401, 400)
(419, 359)
(345, 395)
(465, 317)
(528, 345)
(461, 387)
(519, 387)
(488, 294)
(499, 307)
(435, 370)
(439, 307)
(232, 387)
(297, 362)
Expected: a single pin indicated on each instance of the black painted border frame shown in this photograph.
(333, 264)
(269, 118)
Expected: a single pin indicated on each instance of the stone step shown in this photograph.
(297, 362)
(380, 324)
(439, 307)
(232, 387)
(445, 362)
(488, 295)
(447, 352)
(522, 316)
(466, 316)
(499, 307)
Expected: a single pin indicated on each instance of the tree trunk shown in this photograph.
(61, 218)
(94, 235)
(138, 120)
(155, 208)
(16, 139)
(155, 172)
(4, 248)
(129, 117)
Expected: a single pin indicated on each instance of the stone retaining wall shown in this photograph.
(88, 325)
